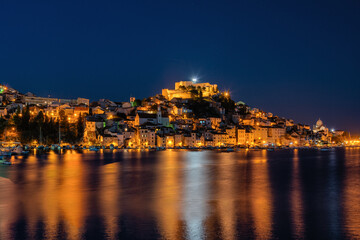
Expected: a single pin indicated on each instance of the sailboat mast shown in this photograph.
(59, 133)
(59, 125)
(40, 138)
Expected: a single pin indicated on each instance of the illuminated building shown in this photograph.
(231, 133)
(241, 133)
(183, 90)
(275, 134)
(43, 101)
(260, 134)
(220, 139)
(146, 137)
(319, 126)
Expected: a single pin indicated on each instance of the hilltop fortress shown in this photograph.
(183, 90)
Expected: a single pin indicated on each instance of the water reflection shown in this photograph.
(182, 195)
(226, 198)
(196, 191)
(168, 192)
(296, 200)
(352, 194)
(261, 199)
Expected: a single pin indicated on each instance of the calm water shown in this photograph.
(288, 194)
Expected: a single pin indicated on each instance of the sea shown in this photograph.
(182, 194)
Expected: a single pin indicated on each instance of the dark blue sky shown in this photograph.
(299, 59)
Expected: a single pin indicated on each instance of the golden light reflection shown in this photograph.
(226, 204)
(7, 188)
(110, 188)
(296, 198)
(44, 193)
(261, 205)
(52, 174)
(168, 195)
(352, 194)
(71, 195)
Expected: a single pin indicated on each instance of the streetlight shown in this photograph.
(194, 80)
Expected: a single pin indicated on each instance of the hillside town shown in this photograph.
(192, 115)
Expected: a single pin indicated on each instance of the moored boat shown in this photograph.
(5, 152)
(93, 148)
(4, 161)
(325, 149)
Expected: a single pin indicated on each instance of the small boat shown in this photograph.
(41, 147)
(18, 150)
(94, 149)
(271, 149)
(230, 150)
(5, 153)
(55, 147)
(325, 149)
(4, 161)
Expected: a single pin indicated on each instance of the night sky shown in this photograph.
(298, 59)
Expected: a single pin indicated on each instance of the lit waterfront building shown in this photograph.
(231, 133)
(146, 137)
(241, 136)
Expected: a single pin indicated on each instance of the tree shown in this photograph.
(38, 123)
(137, 103)
(39, 119)
(80, 128)
(3, 125)
(183, 88)
(226, 102)
(24, 127)
(201, 95)
(194, 93)
(202, 108)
